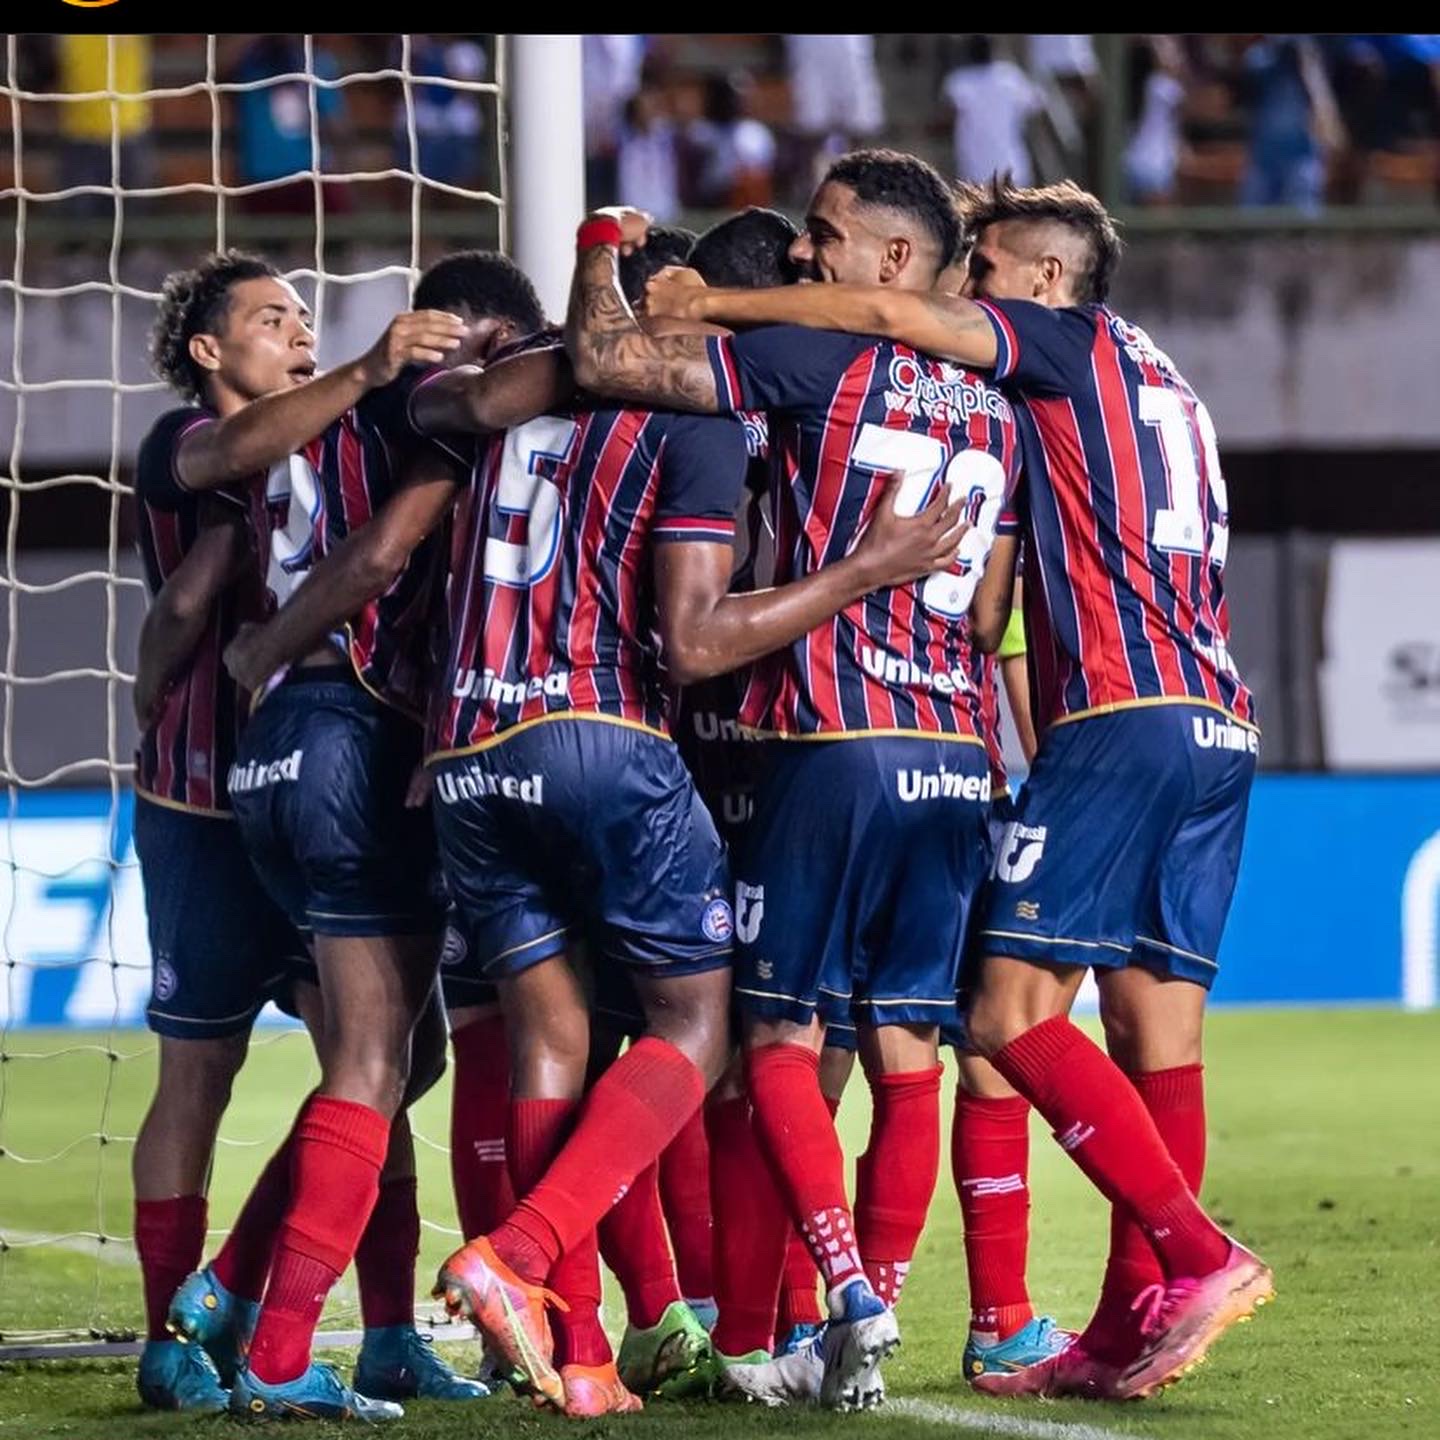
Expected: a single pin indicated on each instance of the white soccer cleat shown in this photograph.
(852, 1347)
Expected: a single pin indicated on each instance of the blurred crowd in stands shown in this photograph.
(678, 123)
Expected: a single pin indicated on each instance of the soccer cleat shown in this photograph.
(745, 1377)
(791, 1378)
(509, 1311)
(593, 1390)
(1031, 1344)
(853, 1344)
(706, 1311)
(204, 1312)
(318, 1394)
(797, 1337)
(671, 1358)
(176, 1376)
(1185, 1318)
(1071, 1371)
(398, 1363)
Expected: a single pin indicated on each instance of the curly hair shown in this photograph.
(1061, 204)
(905, 183)
(194, 302)
(484, 282)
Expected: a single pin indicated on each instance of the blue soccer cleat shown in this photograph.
(173, 1376)
(203, 1312)
(318, 1394)
(706, 1311)
(1039, 1340)
(398, 1363)
(799, 1335)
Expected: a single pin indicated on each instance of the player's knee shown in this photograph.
(700, 1033)
(198, 1074)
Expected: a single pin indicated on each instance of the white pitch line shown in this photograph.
(983, 1424)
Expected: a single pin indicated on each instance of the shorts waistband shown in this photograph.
(336, 674)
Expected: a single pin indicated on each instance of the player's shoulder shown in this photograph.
(155, 475)
(1138, 346)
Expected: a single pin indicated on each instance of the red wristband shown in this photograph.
(601, 231)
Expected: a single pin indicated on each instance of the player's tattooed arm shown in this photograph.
(706, 631)
(278, 424)
(613, 356)
(180, 613)
(941, 325)
(360, 569)
(468, 400)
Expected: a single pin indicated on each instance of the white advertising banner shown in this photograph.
(1380, 678)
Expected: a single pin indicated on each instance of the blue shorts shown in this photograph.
(319, 791)
(219, 949)
(580, 827)
(461, 981)
(1126, 843)
(856, 883)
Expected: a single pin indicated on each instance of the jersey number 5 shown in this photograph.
(524, 538)
(974, 475)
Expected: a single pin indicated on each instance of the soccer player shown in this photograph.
(1147, 732)
(884, 818)
(223, 339)
(318, 787)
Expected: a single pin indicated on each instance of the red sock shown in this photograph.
(479, 1105)
(169, 1239)
(339, 1149)
(385, 1257)
(1176, 1102)
(685, 1195)
(536, 1131)
(1103, 1126)
(631, 1114)
(798, 1305)
(751, 1230)
(243, 1264)
(896, 1175)
(800, 1140)
(635, 1247)
(990, 1160)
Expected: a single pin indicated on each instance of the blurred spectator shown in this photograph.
(647, 160)
(273, 123)
(1069, 61)
(1294, 122)
(730, 154)
(449, 122)
(835, 94)
(1153, 154)
(1388, 91)
(610, 77)
(82, 65)
(993, 100)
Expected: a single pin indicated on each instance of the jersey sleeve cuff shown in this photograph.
(728, 390)
(709, 529)
(1007, 343)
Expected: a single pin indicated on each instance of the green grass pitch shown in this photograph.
(1324, 1155)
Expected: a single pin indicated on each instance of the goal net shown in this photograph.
(353, 161)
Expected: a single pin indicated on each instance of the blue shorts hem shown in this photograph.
(681, 964)
(367, 924)
(1098, 954)
(181, 1027)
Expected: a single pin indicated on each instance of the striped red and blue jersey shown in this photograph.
(1127, 518)
(327, 491)
(183, 757)
(552, 600)
(846, 413)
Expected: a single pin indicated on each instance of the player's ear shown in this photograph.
(1048, 274)
(205, 351)
(895, 258)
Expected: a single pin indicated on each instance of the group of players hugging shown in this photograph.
(639, 680)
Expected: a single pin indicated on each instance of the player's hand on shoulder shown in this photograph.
(242, 658)
(896, 549)
(634, 225)
(675, 293)
(414, 337)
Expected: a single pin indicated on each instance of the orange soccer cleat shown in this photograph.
(595, 1390)
(507, 1310)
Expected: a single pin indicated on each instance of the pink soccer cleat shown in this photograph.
(1071, 1372)
(1188, 1316)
